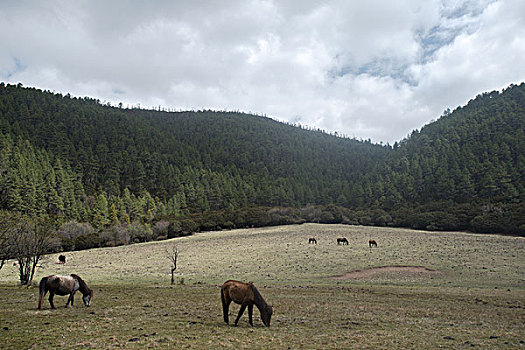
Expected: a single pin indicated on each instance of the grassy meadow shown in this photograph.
(415, 290)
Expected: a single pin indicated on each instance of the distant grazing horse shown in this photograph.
(62, 259)
(372, 243)
(246, 295)
(64, 285)
(312, 240)
(342, 241)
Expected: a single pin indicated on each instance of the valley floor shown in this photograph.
(321, 317)
(416, 290)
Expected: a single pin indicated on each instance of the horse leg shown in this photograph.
(51, 296)
(250, 313)
(70, 299)
(241, 311)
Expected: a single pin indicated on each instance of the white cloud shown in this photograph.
(489, 58)
(376, 69)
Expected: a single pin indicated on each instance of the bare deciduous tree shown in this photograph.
(172, 255)
(29, 241)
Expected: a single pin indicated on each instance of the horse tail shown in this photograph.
(224, 305)
(42, 291)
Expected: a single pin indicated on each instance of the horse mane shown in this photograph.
(258, 300)
(84, 289)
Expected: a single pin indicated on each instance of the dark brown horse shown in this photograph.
(62, 259)
(372, 243)
(246, 295)
(64, 285)
(342, 241)
(312, 241)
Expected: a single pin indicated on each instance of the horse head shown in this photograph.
(266, 315)
(86, 298)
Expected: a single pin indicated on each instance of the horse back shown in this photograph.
(62, 285)
(237, 291)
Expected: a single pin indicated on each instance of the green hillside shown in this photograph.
(76, 159)
(468, 164)
(476, 152)
(251, 160)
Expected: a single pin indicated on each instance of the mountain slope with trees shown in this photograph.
(223, 159)
(476, 152)
(471, 159)
(136, 174)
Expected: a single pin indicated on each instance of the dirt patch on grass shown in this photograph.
(386, 271)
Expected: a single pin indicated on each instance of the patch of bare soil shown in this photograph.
(387, 270)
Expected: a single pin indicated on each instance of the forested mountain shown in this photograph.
(77, 159)
(476, 152)
(464, 171)
(222, 158)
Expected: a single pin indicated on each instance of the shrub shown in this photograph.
(70, 231)
(160, 228)
(228, 225)
(87, 242)
(115, 235)
(174, 229)
(188, 226)
(139, 232)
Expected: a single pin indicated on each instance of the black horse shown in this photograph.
(312, 241)
(342, 241)
(372, 243)
(62, 259)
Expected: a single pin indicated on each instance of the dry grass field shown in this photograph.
(415, 290)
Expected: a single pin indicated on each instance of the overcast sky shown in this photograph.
(366, 69)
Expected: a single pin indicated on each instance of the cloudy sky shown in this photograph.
(368, 69)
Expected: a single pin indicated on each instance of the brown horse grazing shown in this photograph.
(64, 285)
(372, 243)
(342, 241)
(246, 295)
(312, 240)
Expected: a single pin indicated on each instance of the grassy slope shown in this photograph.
(479, 292)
